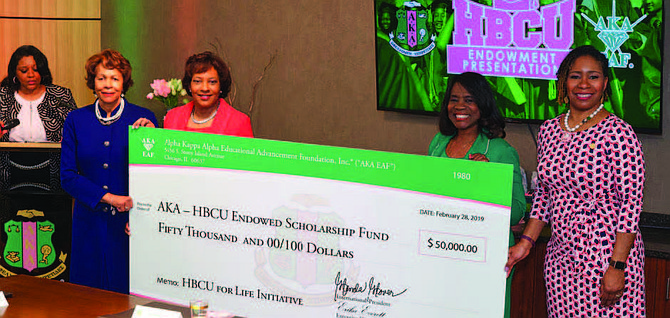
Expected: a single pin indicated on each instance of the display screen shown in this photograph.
(518, 46)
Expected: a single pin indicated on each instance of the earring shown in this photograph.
(14, 80)
(566, 100)
(123, 95)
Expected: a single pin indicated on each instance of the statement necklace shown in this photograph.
(593, 114)
(204, 120)
(108, 120)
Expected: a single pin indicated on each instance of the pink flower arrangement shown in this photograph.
(161, 87)
(168, 92)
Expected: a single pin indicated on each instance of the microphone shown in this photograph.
(11, 124)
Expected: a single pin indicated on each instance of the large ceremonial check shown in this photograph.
(265, 228)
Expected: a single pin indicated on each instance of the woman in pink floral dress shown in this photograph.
(591, 177)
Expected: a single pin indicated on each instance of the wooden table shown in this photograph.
(38, 297)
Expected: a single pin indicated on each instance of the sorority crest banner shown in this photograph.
(265, 228)
(36, 235)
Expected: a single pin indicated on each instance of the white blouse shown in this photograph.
(31, 128)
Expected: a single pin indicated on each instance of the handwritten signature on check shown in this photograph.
(373, 288)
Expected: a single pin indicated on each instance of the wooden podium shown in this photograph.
(30, 146)
(35, 213)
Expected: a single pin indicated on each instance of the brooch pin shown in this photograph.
(565, 137)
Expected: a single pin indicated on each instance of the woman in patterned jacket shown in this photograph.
(28, 94)
(590, 181)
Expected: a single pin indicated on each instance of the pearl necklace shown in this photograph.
(108, 120)
(204, 120)
(568, 128)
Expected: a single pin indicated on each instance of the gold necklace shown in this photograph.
(461, 147)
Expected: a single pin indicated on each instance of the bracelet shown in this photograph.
(527, 238)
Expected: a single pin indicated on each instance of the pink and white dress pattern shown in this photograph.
(590, 187)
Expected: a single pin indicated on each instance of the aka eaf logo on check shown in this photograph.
(148, 145)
